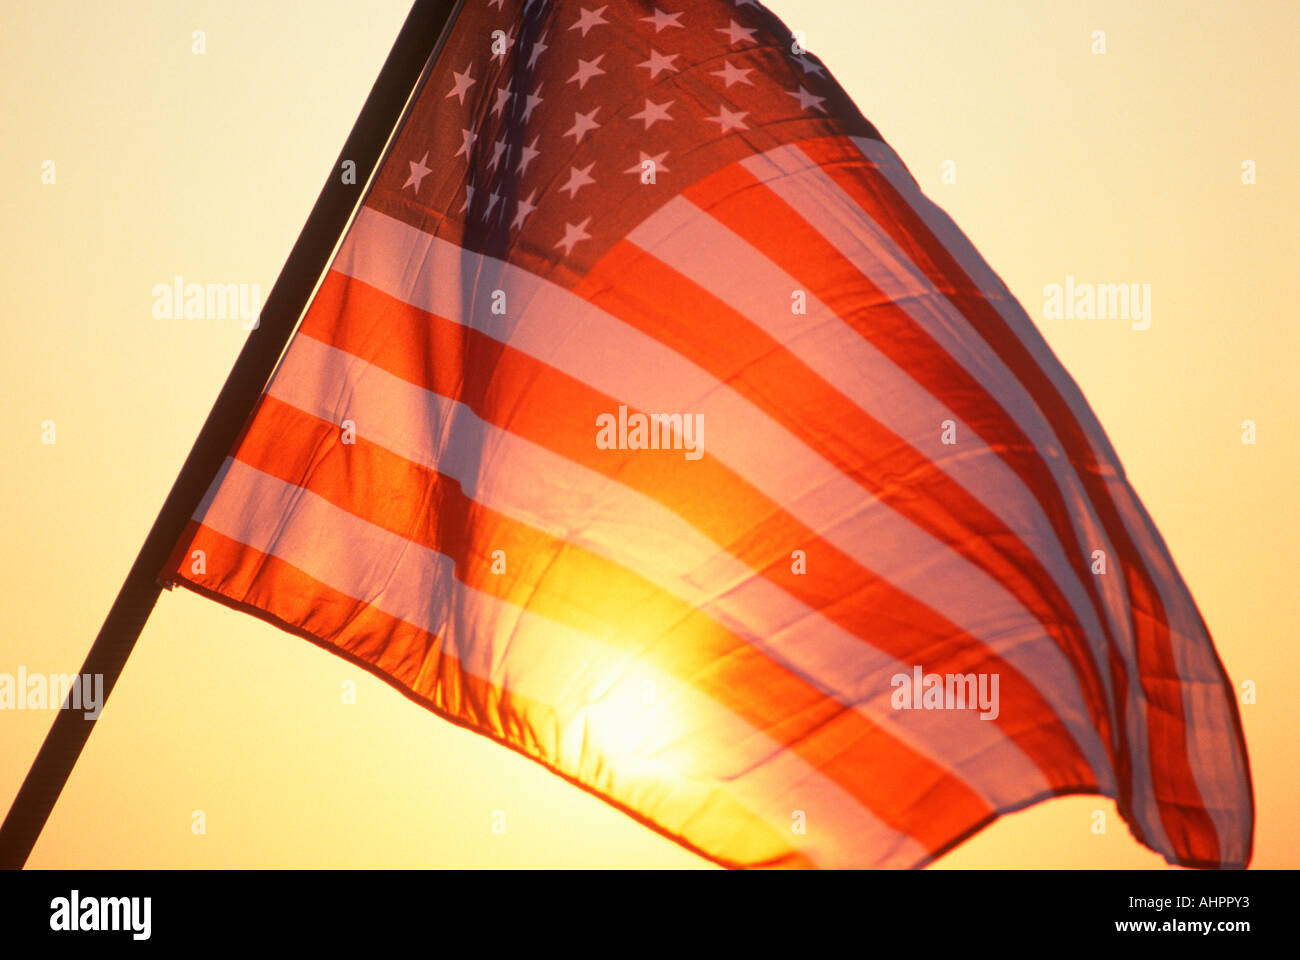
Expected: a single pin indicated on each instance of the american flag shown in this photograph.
(650, 421)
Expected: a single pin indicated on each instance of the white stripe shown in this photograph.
(572, 503)
(567, 332)
(1206, 713)
(683, 742)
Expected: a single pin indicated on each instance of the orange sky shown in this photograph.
(1119, 167)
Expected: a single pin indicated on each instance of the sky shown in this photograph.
(1167, 159)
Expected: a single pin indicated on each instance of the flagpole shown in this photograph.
(416, 43)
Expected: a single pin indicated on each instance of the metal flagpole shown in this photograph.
(416, 44)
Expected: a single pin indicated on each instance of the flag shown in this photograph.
(650, 421)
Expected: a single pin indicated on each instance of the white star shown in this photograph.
(658, 62)
(504, 95)
(496, 3)
(582, 123)
(586, 70)
(729, 120)
(462, 83)
(522, 209)
(527, 156)
(469, 197)
(531, 103)
(498, 149)
(590, 18)
(536, 50)
(493, 197)
(736, 33)
(467, 140)
(418, 172)
(733, 74)
(639, 167)
(578, 179)
(653, 112)
(809, 67)
(807, 100)
(574, 233)
(661, 20)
